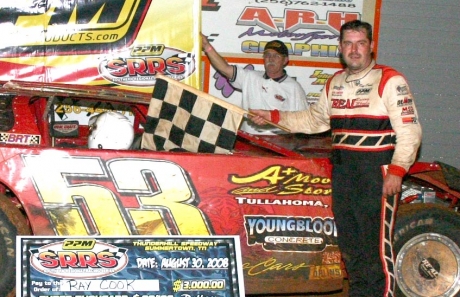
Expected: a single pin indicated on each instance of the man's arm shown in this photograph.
(404, 120)
(217, 61)
(314, 119)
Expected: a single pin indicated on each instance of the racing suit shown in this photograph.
(373, 122)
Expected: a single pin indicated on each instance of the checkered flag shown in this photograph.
(117, 252)
(180, 116)
(186, 58)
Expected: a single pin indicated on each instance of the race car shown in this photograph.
(274, 192)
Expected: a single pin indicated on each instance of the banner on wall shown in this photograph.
(310, 30)
(121, 43)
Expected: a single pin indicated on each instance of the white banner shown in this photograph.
(310, 29)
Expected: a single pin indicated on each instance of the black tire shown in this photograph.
(12, 224)
(427, 249)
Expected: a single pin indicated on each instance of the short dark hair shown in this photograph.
(357, 25)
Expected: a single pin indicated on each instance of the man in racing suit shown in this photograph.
(373, 119)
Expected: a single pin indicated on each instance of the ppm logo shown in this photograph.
(78, 244)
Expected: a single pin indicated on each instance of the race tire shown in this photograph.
(12, 223)
(427, 251)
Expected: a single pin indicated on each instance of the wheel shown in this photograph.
(427, 247)
(12, 223)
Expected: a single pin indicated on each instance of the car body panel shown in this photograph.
(280, 206)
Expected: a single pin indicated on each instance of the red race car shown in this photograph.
(274, 192)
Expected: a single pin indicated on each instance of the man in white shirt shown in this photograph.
(269, 89)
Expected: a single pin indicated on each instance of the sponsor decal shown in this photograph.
(65, 128)
(402, 90)
(78, 259)
(306, 268)
(79, 111)
(139, 65)
(14, 138)
(304, 26)
(281, 181)
(71, 26)
(409, 120)
(281, 202)
(407, 110)
(292, 20)
(350, 103)
(363, 91)
(326, 271)
(321, 77)
(280, 98)
(337, 91)
(290, 233)
(331, 257)
(405, 102)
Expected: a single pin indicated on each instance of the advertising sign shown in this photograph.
(310, 30)
(120, 43)
(129, 266)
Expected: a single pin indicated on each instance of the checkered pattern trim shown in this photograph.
(179, 118)
(186, 58)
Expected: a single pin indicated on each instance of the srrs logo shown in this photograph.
(139, 65)
(78, 258)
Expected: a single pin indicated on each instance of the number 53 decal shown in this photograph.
(76, 193)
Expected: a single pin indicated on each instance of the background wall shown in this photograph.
(422, 39)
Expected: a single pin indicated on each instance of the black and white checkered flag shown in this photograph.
(180, 116)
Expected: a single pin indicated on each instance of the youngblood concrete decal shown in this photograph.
(291, 233)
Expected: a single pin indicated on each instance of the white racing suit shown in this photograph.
(374, 122)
